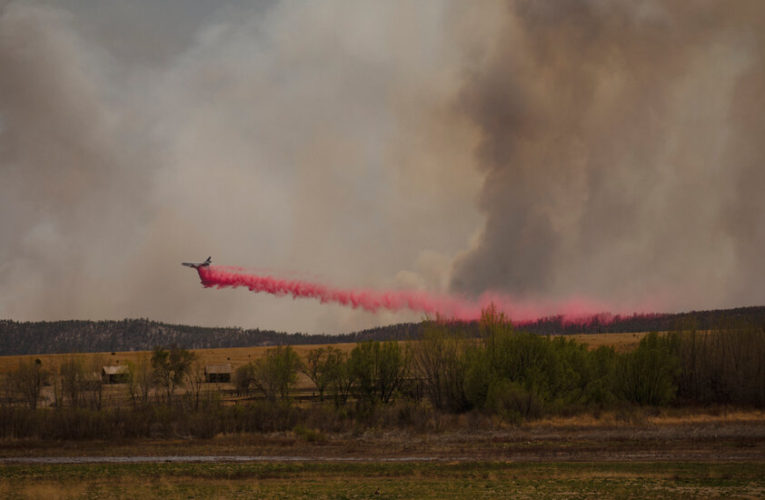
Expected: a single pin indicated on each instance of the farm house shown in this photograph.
(218, 373)
(114, 374)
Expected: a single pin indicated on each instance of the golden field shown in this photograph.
(238, 356)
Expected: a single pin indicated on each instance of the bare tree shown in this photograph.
(439, 360)
(276, 373)
(92, 384)
(324, 366)
(72, 379)
(27, 381)
(170, 368)
(140, 380)
(379, 368)
(195, 379)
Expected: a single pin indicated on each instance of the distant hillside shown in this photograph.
(48, 337)
(699, 320)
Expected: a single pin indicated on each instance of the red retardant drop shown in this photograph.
(436, 305)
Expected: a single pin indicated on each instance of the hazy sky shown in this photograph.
(610, 150)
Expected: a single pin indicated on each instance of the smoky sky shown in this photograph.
(608, 150)
(620, 153)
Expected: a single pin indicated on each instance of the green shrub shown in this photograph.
(512, 401)
(647, 375)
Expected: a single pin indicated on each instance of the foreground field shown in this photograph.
(385, 480)
(633, 455)
(636, 436)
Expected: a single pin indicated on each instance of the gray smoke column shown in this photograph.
(623, 153)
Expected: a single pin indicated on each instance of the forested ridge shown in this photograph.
(50, 337)
(47, 337)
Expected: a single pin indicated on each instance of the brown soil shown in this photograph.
(708, 439)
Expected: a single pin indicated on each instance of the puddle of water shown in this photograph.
(207, 459)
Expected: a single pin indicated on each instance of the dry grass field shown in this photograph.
(622, 342)
(238, 356)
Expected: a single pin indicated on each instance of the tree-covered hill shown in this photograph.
(46, 337)
(605, 323)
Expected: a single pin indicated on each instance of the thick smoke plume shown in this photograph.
(622, 147)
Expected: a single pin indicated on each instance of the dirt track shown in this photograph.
(698, 442)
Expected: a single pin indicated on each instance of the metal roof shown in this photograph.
(222, 368)
(114, 370)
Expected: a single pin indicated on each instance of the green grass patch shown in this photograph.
(383, 480)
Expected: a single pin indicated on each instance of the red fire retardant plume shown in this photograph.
(444, 306)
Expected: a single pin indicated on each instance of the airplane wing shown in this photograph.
(206, 263)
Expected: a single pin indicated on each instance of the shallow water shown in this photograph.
(205, 459)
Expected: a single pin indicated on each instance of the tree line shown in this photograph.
(522, 375)
(505, 373)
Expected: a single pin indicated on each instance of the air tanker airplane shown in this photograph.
(197, 266)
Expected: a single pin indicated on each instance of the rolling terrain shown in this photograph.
(80, 336)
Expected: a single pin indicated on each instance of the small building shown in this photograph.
(115, 374)
(218, 373)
